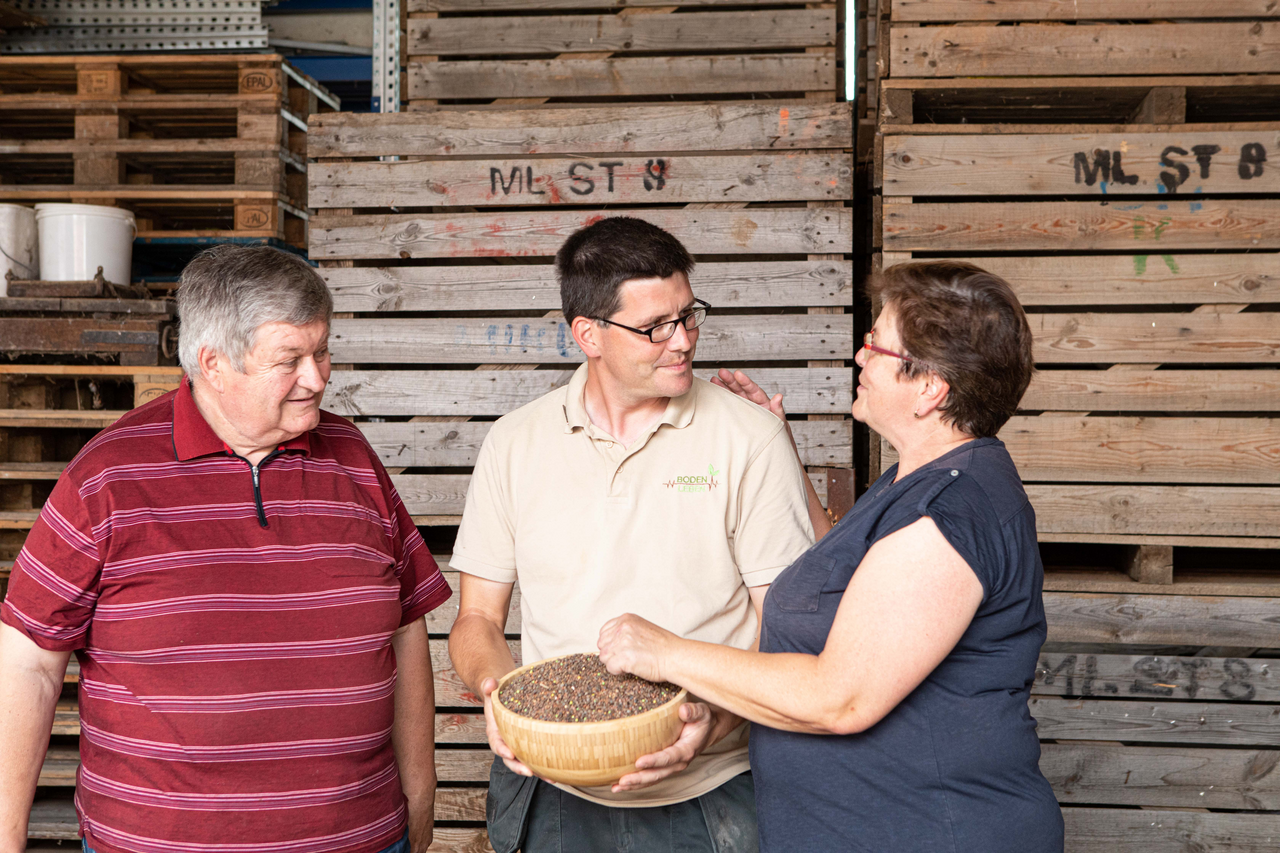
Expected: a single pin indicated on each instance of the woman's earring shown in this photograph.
(917, 414)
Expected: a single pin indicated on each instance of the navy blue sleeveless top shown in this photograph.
(955, 766)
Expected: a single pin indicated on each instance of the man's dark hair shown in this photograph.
(966, 325)
(595, 261)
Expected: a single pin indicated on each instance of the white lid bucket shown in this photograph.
(76, 239)
(18, 252)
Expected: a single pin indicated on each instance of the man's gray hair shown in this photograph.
(228, 292)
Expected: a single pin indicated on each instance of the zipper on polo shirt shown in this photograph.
(257, 481)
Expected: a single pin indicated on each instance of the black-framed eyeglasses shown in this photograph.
(664, 331)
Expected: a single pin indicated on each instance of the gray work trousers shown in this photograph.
(532, 816)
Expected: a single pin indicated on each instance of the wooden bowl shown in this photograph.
(586, 754)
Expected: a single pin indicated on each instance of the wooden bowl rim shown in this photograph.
(585, 728)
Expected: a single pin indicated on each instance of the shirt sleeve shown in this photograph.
(966, 519)
(422, 586)
(486, 543)
(53, 589)
(773, 526)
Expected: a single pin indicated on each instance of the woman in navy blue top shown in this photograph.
(889, 695)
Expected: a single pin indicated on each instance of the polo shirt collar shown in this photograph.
(678, 414)
(193, 437)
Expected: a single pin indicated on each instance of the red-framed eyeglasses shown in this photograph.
(867, 342)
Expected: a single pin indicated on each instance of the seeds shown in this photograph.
(578, 689)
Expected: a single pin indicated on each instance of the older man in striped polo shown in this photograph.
(243, 589)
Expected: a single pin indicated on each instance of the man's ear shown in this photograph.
(212, 365)
(586, 334)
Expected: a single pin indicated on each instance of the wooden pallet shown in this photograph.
(195, 145)
(1152, 420)
(495, 338)
(566, 51)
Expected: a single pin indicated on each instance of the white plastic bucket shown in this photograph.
(18, 243)
(76, 239)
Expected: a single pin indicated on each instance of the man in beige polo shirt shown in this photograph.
(635, 488)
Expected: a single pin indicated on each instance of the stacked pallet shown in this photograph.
(532, 51)
(1135, 215)
(440, 264)
(195, 145)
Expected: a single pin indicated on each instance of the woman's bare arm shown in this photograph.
(911, 599)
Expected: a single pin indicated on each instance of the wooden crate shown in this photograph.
(449, 311)
(479, 51)
(1051, 38)
(1152, 419)
(197, 145)
(1134, 216)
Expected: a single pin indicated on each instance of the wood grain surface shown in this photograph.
(534, 286)
(1244, 47)
(541, 233)
(635, 128)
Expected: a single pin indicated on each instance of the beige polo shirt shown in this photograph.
(708, 502)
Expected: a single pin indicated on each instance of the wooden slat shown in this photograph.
(1077, 617)
(463, 765)
(1186, 582)
(611, 179)
(60, 765)
(457, 728)
(541, 233)
(457, 132)
(66, 718)
(17, 519)
(1228, 724)
(1143, 450)
(1216, 82)
(53, 818)
(1166, 338)
(548, 341)
(445, 494)
(1161, 831)
(1154, 279)
(437, 445)
(1082, 226)
(492, 393)
(89, 370)
(31, 470)
(1154, 391)
(499, 288)
(1155, 510)
(138, 192)
(1150, 161)
(104, 147)
(432, 494)
(1045, 51)
(560, 34)
(1077, 674)
(451, 692)
(1162, 776)
(623, 76)
(1076, 10)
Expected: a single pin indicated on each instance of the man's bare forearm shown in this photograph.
(413, 730)
(479, 650)
(30, 683)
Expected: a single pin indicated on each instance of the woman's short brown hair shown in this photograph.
(966, 325)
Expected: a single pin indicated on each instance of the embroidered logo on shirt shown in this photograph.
(695, 482)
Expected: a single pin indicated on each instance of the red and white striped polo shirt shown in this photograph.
(236, 679)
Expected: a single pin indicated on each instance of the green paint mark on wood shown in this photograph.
(1171, 263)
(1140, 264)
